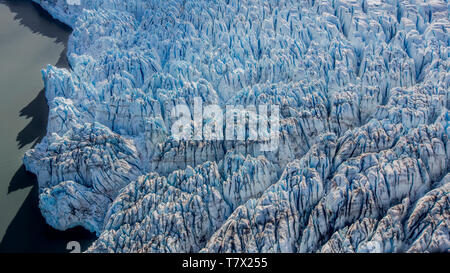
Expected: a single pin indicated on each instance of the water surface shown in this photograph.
(29, 40)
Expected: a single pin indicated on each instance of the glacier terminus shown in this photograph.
(362, 159)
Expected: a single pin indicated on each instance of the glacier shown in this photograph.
(363, 158)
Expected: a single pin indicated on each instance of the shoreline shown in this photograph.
(28, 231)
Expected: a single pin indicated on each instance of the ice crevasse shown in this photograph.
(362, 163)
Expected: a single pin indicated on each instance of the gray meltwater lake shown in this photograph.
(29, 40)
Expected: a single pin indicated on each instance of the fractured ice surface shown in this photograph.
(363, 158)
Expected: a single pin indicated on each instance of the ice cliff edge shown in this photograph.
(362, 163)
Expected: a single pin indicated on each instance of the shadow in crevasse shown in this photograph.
(28, 232)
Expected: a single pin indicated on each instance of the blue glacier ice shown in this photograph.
(363, 158)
